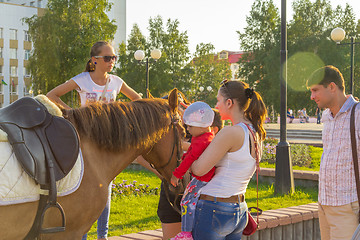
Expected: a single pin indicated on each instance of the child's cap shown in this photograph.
(198, 114)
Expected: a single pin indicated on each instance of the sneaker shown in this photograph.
(183, 236)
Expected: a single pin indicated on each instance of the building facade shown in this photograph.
(233, 58)
(16, 47)
(15, 50)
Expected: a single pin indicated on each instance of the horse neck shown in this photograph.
(103, 164)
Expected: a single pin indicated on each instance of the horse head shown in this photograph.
(162, 156)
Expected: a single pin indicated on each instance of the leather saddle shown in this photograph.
(47, 148)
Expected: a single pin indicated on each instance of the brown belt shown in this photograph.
(232, 199)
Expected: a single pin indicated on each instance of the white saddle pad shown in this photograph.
(16, 186)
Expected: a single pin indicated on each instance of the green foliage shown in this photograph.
(303, 157)
(62, 39)
(173, 69)
(205, 70)
(267, 200)
(315, 154)
(300, 155)
(165, 73)
(308, 33)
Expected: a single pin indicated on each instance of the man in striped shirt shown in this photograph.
(338, 201)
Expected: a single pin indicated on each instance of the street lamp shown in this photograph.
(337, 35)
(208, 88)
(140, 55)
(284, 179)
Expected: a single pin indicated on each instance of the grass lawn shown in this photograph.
(131, 214)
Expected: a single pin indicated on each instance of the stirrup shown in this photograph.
(53, 229)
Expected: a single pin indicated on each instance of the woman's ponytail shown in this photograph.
(256, 112)
(249, 101)
(90, 66)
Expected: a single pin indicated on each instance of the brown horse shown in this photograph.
(111, 136)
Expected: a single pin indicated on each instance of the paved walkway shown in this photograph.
(146, 235)
(300, 126)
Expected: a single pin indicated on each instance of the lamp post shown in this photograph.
(337, 35)
(208, 88)
(140, 55)
(284, 180)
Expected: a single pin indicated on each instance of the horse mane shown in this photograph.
(119, 126)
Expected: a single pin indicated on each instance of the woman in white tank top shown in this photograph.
(221, 212)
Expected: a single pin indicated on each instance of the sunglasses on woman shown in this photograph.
(107, 58)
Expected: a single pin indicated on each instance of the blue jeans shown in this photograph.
(103, 220)
(219, 220)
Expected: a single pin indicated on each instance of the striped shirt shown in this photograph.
(337, 184)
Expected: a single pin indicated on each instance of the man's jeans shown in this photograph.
(219, 220)
(103, 220)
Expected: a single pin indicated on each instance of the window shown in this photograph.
(1, 88)
(13, 71)
(26, 36)
(1, 33)
(1, 72)
(13, 34)
(32, 4)
(13, 88)
(26, 91)
(27, 54)
(13, 53)
(26, 72)
(1, 52)
(39, 3)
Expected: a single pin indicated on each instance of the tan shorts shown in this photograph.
(338, 222)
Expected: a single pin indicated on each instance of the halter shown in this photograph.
(174, 123)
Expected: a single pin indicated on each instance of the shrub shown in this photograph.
(300, 154)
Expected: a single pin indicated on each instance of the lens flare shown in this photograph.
(300, 66)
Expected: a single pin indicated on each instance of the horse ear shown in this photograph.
(149, 94)
(173, 99)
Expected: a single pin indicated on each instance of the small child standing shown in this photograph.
(198, 117)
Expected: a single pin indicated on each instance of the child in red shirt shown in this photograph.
(198, 117)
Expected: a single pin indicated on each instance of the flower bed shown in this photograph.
(303, 157)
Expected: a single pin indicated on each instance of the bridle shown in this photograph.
(174, 123)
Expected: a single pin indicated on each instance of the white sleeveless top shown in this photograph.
(90, 91)
(233, 172)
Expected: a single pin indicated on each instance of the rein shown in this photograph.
(174, 123)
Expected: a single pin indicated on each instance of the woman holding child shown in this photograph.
(221, 212)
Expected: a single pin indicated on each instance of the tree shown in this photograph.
(62, 39)
(165, 73)
(173, 69)
(205, 70)
(308, 33)
(260, 65)
(129, 69)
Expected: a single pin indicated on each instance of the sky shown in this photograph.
(206, 21)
